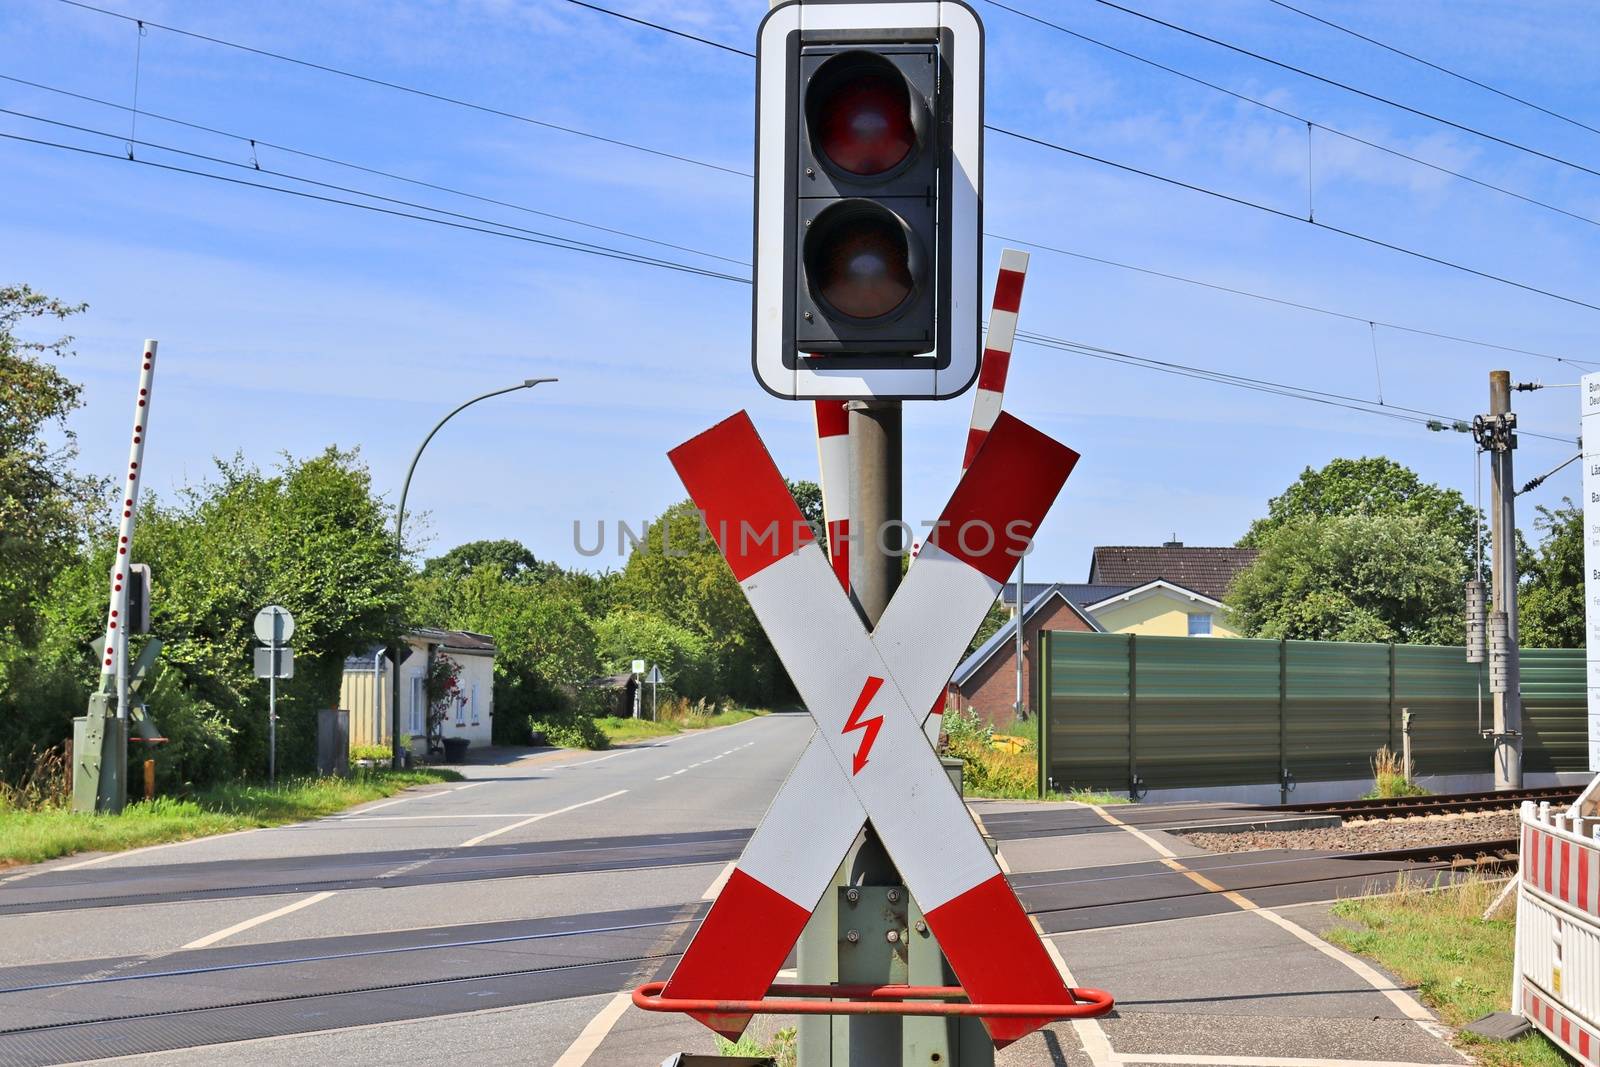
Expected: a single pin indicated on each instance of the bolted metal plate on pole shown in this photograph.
(275, 662)
(274, 625)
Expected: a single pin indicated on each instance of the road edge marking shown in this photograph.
(589, 1039)
(241, 927)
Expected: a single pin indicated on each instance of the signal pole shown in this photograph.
(1497, 435)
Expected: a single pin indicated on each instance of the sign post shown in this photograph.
(1589, 391)
(274, 627)
(655, 679)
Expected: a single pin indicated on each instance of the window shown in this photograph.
(418, 699)
(1200, 625)
(461, 711)
(474, 703)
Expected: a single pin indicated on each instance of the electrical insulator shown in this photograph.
(1477, 621)
(1499, 652)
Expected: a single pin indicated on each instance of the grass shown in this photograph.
(1460, 963)
(676, 717)
(34, 835)
(781, 1048)
(1392, 779)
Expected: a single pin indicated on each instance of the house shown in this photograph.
(1168, 590)
(368, 681)
(986, 681)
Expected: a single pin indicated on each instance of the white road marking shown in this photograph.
(1407, 1004)
(721, 880)
(481, 838)
(588, 1041)
(680, 772)
(148, 848)
(664, 777)
(380, 807)
(1093, 1039)
(469, 785)
(602, 759)
(416, 818)
(239, 928)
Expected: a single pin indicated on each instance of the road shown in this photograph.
(528, 894)
(505, 917)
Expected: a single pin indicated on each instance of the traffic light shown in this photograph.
(138, 598)
(869, 179)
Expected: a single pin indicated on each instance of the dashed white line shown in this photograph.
(481, 838)
(239, 928)
(602, 759)
(148, 848)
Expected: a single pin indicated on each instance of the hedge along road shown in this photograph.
(565, 876)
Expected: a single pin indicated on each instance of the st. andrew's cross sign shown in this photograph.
(869, 694)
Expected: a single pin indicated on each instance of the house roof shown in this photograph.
(1208, 571)
(1008, 633)
(1078, 592)
(1154, 588)
(464, 642)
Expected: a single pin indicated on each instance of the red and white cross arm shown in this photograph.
(127, 508)
(869, 758)
(997, 350)
(833, 468)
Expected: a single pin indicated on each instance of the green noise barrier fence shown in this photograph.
(1122, 711)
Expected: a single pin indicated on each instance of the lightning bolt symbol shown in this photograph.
(868, 727)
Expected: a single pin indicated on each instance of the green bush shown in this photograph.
(570, 731)
(371, 752)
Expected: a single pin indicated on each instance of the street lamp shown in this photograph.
(399, 526)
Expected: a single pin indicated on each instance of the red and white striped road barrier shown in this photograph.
(833, 467)
(117, 613)
(986, 399)
(1556, 982)
(870, 759)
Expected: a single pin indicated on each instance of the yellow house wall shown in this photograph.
(1161, 615)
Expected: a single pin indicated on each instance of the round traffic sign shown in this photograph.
(274, 625)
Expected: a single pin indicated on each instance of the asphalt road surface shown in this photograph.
(504, 919)
(519, 896)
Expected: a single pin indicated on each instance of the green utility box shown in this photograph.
(99, 758)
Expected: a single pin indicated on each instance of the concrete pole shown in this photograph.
(1022, 585)
(1503, 517)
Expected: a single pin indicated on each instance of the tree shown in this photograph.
(512, 560)
(310, 536)
(1353, 577)
(627, 634)
(677, 573)
(1371, 485)
(1550, 594)
(44, 506)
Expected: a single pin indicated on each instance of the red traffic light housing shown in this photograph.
(868, 214)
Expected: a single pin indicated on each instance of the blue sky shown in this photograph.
(288, 325)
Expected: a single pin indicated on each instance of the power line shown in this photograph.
(1289, 303)
(562, 243)
(1260, 385)
(1220, 377)
(1431, 65)
(255, 142)
(440, 97)
(1285, 113)
(664, 29)
(1230, 198)
(1324, 79)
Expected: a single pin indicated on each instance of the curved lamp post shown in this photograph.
(399, 526)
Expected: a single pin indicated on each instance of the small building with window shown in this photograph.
(367, 682)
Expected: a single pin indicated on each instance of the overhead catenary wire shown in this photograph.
(550, 242)
(1441, 68)
(1127, 168)
(1283, 112)
(254, 142)
(1166, 366)
(398, 87)
(1335, 83)
(1235, 291)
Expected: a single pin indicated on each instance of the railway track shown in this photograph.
(1442, 804)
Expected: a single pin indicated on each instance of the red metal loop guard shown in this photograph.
(872, 1000)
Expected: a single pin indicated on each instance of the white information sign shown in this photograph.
(1589, 388)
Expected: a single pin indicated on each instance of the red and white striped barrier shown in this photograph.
(986, 399)
(869, 758)
(833, 466)
(1557, 973)
(117, 613)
